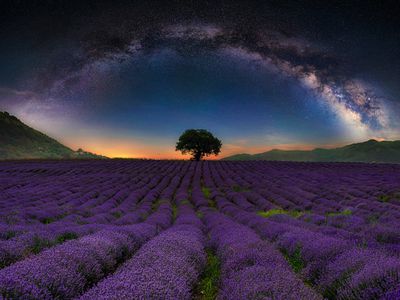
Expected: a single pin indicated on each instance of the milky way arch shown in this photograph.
(361, 109)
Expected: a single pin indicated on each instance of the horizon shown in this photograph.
(178, 156)
(174, 155)
(258, 76)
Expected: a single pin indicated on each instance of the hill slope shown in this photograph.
(19, 141)
(370, 151)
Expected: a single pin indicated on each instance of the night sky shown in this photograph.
(125, 78)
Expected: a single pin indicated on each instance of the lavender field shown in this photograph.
(136, 229)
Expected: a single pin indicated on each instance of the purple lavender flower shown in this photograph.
(250, 267)
(167, 267)
(67, 270)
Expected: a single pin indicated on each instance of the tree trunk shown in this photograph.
(197, 156)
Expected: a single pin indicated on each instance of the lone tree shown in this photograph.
(198, 143)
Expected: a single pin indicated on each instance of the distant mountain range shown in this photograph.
(370, 151)
(19, 141)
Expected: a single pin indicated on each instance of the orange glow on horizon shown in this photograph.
(121, 148)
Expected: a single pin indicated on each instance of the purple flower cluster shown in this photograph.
(37, 239)
(252, 268)
(67, 270)
(360, 274)
(166, 267)
(137, 229)
(392, 295)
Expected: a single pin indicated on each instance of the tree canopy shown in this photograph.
(198, 143)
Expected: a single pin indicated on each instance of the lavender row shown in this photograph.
(47, 197)
(334, 224)
(67, 270)
(338, 268)
(251, 268)
(352, 220)
(34, 241)
(166, 267)
(40, 237)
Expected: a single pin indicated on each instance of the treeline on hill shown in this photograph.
(370, 151)
(19, 141)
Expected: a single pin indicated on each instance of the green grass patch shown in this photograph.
(174, 211)
(10, 234)
(206, 192)
(117, 214)
(383, 198)
(156, 204)
(66, 236)
(199, 214)
(212, 204)
(331, 291)
(38, 245)
(346, 212)
(239, 189)
(279, 211)
(295, 260)
(208, 285)
(47, 220)
(187, 202)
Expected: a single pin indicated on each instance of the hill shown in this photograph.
(19, 141)
(369, 151)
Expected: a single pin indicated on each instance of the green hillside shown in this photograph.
(19, 141)
(370, 151)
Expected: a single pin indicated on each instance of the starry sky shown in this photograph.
(125, 78)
